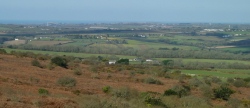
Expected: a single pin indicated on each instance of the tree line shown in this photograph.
(147, 52)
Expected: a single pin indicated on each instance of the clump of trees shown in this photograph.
(123, 61)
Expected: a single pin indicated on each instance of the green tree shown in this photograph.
(123, 61)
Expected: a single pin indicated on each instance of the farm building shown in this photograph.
(112, 61)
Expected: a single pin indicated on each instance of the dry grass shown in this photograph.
(20, 83)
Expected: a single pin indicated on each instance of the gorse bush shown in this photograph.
(66, 81)
(152, 98)
(59, 61)
(78, 71)
(43, 91)
(195, 82)
(223, 92)
(153, 81)
(106, 89)
(125, 93)
(239, 83)
(170, 92)
(181, 90)
(206, 91)
(36, 63)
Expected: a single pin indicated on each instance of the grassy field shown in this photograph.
(4, 29)
(236, 49)
(186, 60)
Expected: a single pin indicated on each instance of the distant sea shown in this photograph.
(54, 21)
(94, 22)
(58, 21)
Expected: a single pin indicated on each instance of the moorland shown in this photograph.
(156, 65)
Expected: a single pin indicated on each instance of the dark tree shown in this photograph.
(123, 61)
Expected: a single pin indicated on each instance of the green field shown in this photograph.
(186, 60)
(140, 44)
(4, 29)
(224, 73)
(237, 49)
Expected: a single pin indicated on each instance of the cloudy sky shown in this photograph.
(214, 11)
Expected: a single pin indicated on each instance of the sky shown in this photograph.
(181, 11)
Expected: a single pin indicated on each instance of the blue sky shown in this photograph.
(214, 11)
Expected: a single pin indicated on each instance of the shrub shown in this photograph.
(59, 61)
(152, 98)
(153, 81)
(76, 92)
(230, 80)
(192, 102)
(78, 71)
(247, 79)
(43, 91)
(66, 81)
(239, 83)
(207, 80)
(223, 93)
(170, 92)
(206, 91)
(50, 66)
(216, 80)
(181, 90)
(195, 82)
(125, 93)
(36, 63)
(3, 51)
(106, 89)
